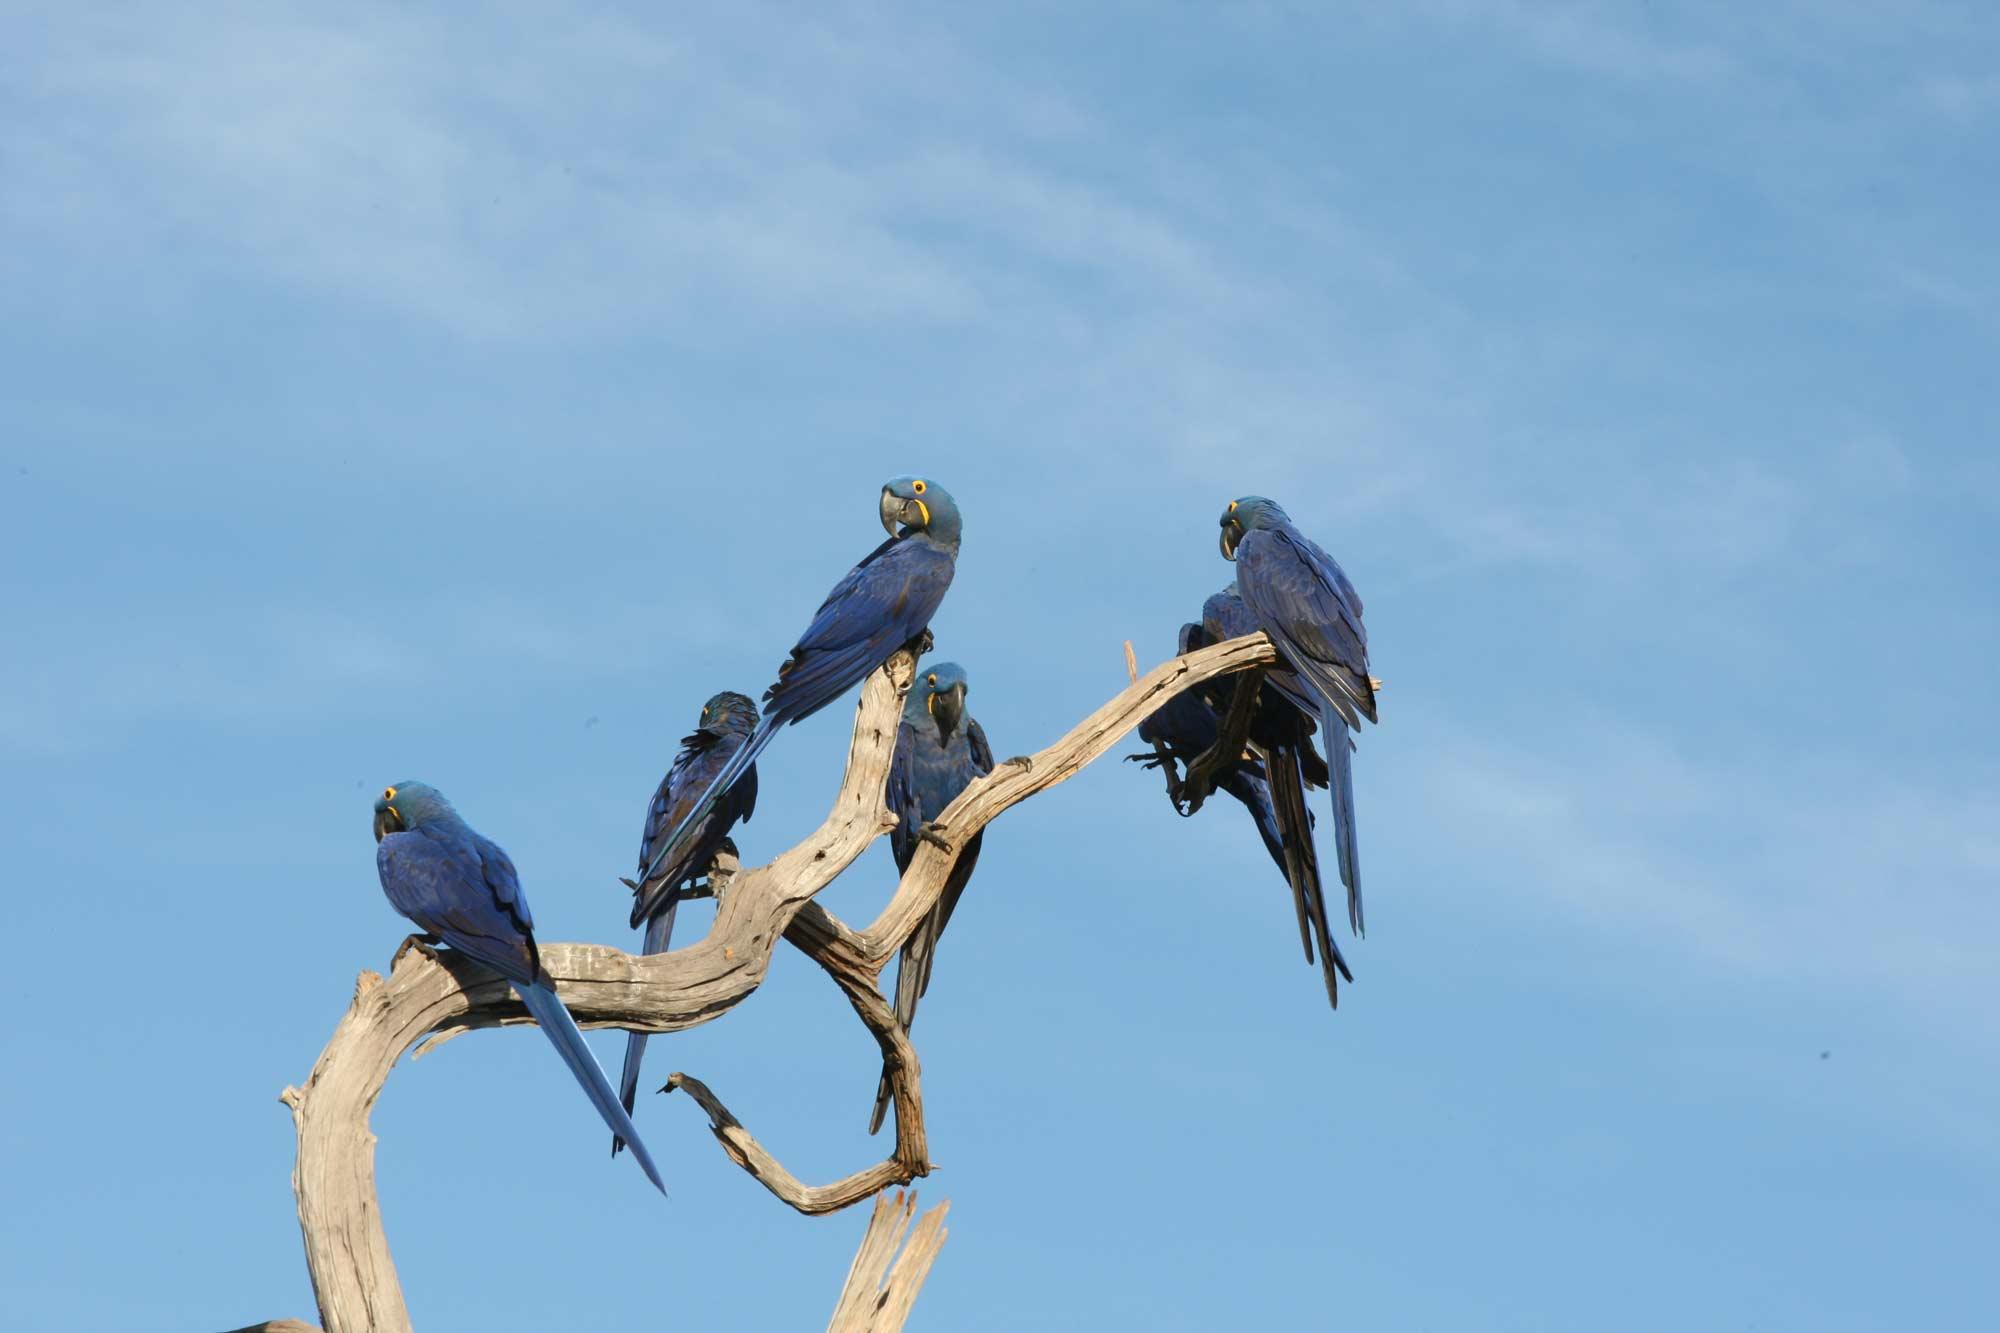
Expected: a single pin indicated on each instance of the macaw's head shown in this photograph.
(939, 694)
(729, 712)
(1244, 515)
(408, 805)
(916, 504)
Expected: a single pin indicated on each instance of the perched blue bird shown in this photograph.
(461, 889)
(884, 602)
(1276, 720)
(726, 723)
(1187, 727)
(940, 749)
(1282, 734)
(1299, 596)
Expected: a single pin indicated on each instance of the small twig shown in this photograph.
(820, 938)
(746, 1152)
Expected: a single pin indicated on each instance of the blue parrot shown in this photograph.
(461, 889)
(1283, 733)
(1299, 596)
(940, 749)
(1187, 726)
(726, 723)
(883, 603)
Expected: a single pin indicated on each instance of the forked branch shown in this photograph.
(427, 1000)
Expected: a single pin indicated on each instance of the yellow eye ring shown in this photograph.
(1232, 506)
(917, 486)
(388, 793)
(932, 678)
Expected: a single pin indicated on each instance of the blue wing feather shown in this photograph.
(703, 757)
(900, 795)
(441, 877)
(982, 752)
(880, 605)
(692, 812)
(883, 603)
(925, 777)
(1294, 589)
(1304, 602)
(463, 888)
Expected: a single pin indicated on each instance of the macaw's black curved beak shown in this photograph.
(949, 710)
(385, 822)
(900, 510)
(1232, 533)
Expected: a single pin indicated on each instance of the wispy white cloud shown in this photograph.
(380, 159)
(1597, 38)
(265, 667)
(1814, 869)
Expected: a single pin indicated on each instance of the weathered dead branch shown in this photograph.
(427, 1000)
(877, 1298)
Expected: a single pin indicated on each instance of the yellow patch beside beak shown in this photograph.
(925, 510)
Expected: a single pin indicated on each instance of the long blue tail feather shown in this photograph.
(1340, 767)
(659, 934)
(568, 1040)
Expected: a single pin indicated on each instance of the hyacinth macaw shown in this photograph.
(883, 603)
(1300, 597)
(1283, 734)
(725, 726)
(461, 889)
(940, 749)
(1186, 727)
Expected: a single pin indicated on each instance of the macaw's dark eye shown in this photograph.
(1232, 506)
(388, 793)
(917, 486)
(932, 678)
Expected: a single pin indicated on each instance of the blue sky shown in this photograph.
(400, 393)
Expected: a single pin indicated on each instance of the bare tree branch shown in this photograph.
(877, 1299)
(426, 1001)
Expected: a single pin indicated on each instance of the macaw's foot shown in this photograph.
(1163, 760)
(933, 833)
(722, 869)
(1025, 763)
(1199, 781)
(922, 643)
(421, 942)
